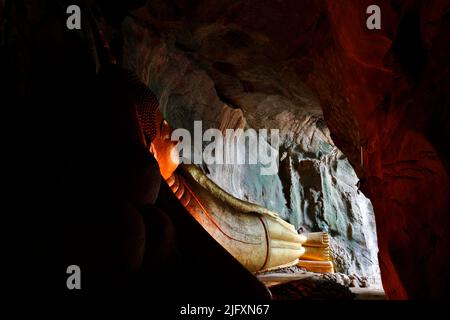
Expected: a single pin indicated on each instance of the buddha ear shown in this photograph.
(152, 148)
(165, 130)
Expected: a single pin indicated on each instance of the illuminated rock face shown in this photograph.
(384, 91)
(230, 77)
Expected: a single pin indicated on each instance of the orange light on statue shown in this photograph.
(165, 151)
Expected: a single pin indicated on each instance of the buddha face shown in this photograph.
(165, 150)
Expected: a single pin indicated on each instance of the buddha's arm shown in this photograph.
(259, 241)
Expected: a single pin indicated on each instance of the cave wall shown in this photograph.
(393, 83)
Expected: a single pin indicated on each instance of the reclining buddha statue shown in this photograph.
(257, 237)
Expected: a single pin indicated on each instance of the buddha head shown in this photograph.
(156, 131)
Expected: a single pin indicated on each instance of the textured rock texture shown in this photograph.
(231, 77)
(386, 93)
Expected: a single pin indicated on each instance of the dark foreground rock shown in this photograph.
(313, 288)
